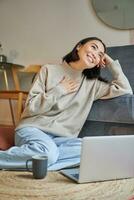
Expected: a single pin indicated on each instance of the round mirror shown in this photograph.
(115, 13)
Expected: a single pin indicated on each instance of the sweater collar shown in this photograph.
(71, 69)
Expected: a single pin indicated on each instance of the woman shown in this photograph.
(59, 102)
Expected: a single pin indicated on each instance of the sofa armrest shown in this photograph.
(119, 109)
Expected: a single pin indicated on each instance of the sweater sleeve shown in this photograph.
(39, 99)
(118, 86)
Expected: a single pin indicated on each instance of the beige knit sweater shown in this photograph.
(51, 109)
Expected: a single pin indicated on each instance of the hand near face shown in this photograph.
(69, 84)
(106, 60)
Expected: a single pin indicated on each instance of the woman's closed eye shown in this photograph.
(94, 47)
(100, 54)
(100, 57)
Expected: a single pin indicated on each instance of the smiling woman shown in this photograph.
(117, 14)
(90, 54)
(58, 105)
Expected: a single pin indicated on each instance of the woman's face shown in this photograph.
(90, 54)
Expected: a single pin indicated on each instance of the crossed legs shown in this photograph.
(61, 151)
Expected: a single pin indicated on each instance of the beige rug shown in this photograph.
(21, 186)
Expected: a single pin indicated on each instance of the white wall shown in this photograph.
(40, 31)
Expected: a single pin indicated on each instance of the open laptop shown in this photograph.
(104, 158)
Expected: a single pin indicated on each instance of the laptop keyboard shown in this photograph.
(75, 176)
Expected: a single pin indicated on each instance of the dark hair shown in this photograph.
(73, 56)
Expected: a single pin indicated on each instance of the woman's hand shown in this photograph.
(131, 198)
(69, 84)
(106, 60)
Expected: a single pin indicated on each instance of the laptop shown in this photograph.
(104, 158)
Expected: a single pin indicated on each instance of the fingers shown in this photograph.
(102, 63)
(62, 79)
(131, 198)
(69, 84)
(106, 60)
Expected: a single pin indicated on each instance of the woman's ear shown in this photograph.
(78, 47)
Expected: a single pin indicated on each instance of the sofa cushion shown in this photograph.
(97, 128)
(110, 117)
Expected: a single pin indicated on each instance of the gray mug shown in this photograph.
(39, 166)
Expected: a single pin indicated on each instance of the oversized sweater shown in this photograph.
(50, 108)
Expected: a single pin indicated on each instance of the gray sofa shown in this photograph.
(114, 116)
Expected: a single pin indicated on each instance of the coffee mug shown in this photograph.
(39, 166)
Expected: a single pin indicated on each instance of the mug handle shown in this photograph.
(30, 170)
